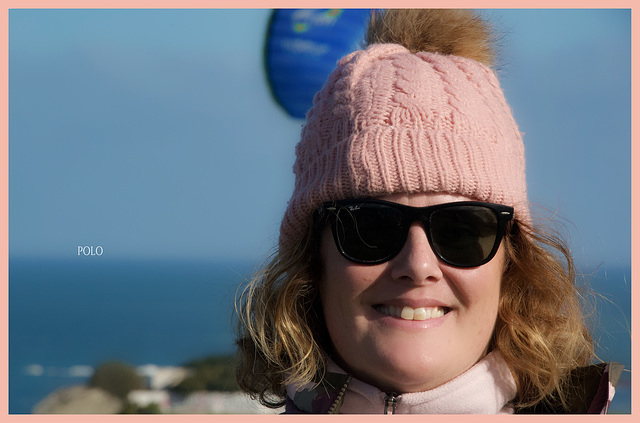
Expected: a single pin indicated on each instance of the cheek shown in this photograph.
(491, 301)
(337, 296)
(338, 276)
(479, 292)
(343, 287)
(335, 284)
(342, 284)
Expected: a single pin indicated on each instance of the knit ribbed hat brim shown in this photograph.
(390, 121)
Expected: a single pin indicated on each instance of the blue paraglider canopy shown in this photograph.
(303, 47)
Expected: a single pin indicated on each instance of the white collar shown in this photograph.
(486, 388)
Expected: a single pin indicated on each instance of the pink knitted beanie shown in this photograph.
(392, 121)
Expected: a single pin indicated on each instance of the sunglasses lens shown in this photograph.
(369, 233)
(464, 235)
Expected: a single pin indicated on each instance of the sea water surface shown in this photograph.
(68, 316)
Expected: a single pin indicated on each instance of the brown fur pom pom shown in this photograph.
(448, 31)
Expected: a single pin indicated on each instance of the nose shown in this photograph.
(416, 263)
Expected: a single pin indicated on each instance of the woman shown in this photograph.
(410, 277)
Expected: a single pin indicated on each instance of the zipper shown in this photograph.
(390, 400)
(338, 401)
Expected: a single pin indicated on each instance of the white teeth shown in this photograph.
(408, 313)
(421, 313)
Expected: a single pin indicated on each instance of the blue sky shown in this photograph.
(152, 133)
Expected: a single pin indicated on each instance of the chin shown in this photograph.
(399, 372)
(403, 374)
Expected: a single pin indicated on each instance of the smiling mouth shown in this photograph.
(408, 313)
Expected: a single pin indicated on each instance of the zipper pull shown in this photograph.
(391, 399)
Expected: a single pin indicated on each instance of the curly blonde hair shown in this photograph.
(278, 314)
(540, 330)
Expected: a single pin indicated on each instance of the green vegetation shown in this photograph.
(116, 378)
(130, 408)
(215, 373)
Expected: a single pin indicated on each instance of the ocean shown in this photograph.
(68, 316)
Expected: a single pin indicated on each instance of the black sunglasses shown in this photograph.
(461, 234)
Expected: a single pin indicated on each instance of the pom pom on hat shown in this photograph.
(389, 120)
(456, 32)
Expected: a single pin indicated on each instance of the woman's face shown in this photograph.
(393, 353)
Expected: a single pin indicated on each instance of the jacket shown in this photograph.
(484, 389)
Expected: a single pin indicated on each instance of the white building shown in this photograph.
(162, 377)
(200, 402)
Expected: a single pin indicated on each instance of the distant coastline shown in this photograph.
(65, 318)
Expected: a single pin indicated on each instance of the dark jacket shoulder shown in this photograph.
(591, 390)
